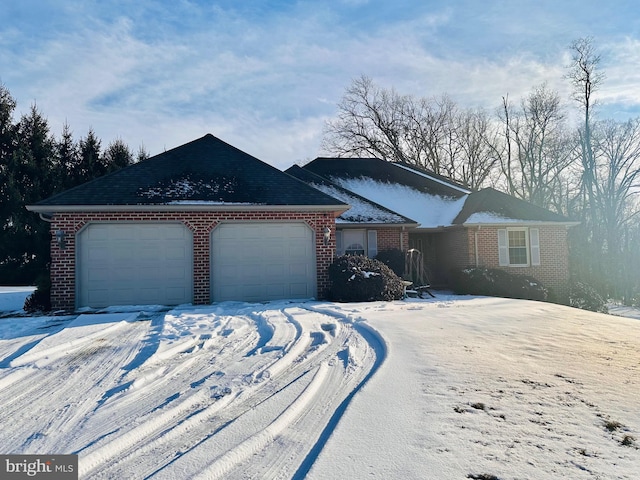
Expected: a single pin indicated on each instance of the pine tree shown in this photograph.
(31, 177)
(116, 156)
(68, 158)
(90, 165)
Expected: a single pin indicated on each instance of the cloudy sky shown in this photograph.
(266, 75)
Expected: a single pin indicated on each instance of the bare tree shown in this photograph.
(431, 133)
(617, 183)
(535, 152)
(586, 79)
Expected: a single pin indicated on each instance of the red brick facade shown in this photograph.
(392, 238)
(63, 261)
(458, 247)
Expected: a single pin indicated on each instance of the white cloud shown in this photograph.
(261, 79)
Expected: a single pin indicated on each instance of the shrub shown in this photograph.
(584, 296)
(497, 283)
(40, 299)
(394, 259)
(355, 278)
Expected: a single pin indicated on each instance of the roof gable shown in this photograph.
(204, 171)
(432, 200)
(491, 206)
(362, 211)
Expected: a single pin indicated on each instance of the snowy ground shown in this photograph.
(451, 387)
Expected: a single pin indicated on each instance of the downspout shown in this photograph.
(475, 235)
(48, 220)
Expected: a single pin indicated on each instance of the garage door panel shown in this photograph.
(134, 263)
(262, 261)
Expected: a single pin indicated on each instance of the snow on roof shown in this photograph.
(489, 217)
(430, 211)
(433, 178)
(361, 211)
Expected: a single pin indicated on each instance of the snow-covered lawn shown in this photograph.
(451, 387)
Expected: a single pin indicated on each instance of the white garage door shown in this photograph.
(134, 263)
(262, 261)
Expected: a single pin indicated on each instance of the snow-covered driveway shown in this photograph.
(445, 388)
(230, 391)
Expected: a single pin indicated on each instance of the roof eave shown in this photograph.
(524, 223)
(376, 225)
(185, 207)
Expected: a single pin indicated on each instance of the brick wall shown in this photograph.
(553, 271)
(392, 238)
(454, 249)
(63, 261)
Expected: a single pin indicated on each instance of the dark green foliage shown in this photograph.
(356, 278)
(29, 175)
(34, 166)
(497, 283)
(584, 296)
(40, 299)
(394, 259)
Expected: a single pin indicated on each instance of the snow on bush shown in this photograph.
(355, 278)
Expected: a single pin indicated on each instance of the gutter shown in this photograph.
(526, 223)
(51, 209)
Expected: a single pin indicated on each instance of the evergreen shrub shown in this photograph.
(356, 278)
(497, 283)
(584, 296)
(394, 259)
(40, 299)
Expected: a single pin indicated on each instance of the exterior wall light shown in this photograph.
(60, 239)
(326, 235)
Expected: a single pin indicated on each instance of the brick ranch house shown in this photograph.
(205, 222)
(459, 228)
(200, 223)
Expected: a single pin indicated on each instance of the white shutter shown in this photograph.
(339, 245)
(372, 243)
(503, 248)
(534, 241)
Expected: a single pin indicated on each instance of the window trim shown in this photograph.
(369, 237)
(532, 245)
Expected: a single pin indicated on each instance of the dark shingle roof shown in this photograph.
(386, 172)
(362, 211)
(206, 170)
(489, 200)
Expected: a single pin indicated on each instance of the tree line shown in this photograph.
(588, 170)
(34, 165)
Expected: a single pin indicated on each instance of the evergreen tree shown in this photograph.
(31, 177)
(90, 165)
(68, 158)
(116, 156)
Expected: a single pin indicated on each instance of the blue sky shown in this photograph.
(265, 76)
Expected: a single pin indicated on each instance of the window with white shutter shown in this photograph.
(518, 247)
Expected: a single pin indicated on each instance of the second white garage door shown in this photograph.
(262, 261)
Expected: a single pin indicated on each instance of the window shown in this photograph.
(357, 242)
(519, 247)
(518, 253)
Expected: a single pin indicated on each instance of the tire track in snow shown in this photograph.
(65, 374)
(380, 347)
(348, 357)
(257, 442)
(166, 398)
